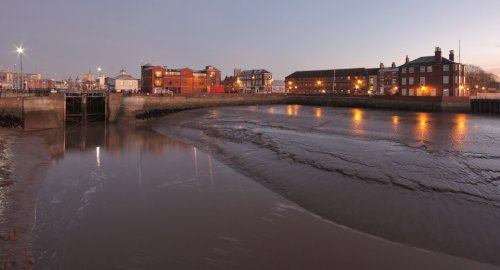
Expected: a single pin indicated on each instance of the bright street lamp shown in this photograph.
(20, 52)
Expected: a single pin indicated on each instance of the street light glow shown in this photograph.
(20, 50)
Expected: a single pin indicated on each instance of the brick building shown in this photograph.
(432, 76)
(388, 79)
(158, 79)
(354, 81)
(254, 81)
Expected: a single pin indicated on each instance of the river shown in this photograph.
(270, 187)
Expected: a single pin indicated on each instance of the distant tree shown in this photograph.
(476, 76)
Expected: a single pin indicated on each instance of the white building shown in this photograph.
(256, 81)
(125, 82)
(278, 86)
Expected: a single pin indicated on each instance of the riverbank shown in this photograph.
(419, 179)
(23, 163)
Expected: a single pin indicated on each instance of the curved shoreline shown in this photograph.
(247, 153)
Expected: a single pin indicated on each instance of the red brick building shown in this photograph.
(157, 79)
(432, 76)
(354, 81)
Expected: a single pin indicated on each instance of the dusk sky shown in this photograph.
(68, 38)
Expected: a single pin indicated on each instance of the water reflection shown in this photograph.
(459, 131)
(293, 110)
(318, 112)
(422, 128)
(357, 122)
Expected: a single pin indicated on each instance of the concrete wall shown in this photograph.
(44, 112)
(143, 107)
(11, 112)
(113, 106)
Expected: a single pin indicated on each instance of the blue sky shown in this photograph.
(69, 37)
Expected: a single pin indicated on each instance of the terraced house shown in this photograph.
(432, 76)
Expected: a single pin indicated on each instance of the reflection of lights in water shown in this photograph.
(271, 110)
(422, 128)
(318, 112)
(357, 118)
(98, 156)
(196, 168)
(395, 120)
(292, 109)
(459, 132)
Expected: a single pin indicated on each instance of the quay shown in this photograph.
(60, 109)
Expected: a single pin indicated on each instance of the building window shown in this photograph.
(422, 80)
(403, 81)
(403, 91)
(411, 92)
(446, 92)
(411, 69)
(446, 68)
(456, 79)
(446, 79)
(429, 69)
(410, 81)
(456, 67)
(422, 69)
(158, 74)
(393, 81)
(403, 70)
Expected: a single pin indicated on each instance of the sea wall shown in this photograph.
(11, 111)
(44, 112)
(135, 108)
(429, 104)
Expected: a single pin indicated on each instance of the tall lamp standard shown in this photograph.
(99, 69)
(20, 52)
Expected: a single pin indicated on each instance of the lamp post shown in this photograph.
(99, 70)
(20, 52)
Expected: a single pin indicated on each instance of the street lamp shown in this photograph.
(99, 70)
(20, 52)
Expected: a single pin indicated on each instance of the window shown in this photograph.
(403, 81)
(158, 74)
(403, 92)
(411, 92)
(393, 81)
(456, 79)
(422, 80)
(446, 79)
(422, 69)
(446, 92)
(410, 81)
(446, 68)
(411, 70)
(429, 69)
(403, 70)
(456, 67)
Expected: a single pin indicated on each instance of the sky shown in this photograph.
(68, 38)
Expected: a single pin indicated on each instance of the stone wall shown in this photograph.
(11, 112)
(44, 112)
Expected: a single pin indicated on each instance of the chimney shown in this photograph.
(407, 59)
(452, 56)
(393, 64)
(381, 65)
(437, 56)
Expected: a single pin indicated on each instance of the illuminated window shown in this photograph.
(158, 74)
(422, 80)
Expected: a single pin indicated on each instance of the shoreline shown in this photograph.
(28, 169)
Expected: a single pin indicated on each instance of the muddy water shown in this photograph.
(419, 179)
(119, 198)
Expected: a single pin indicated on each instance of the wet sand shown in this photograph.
(419, 179)
(23, 162)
